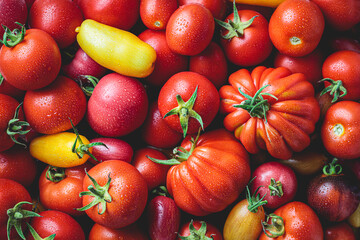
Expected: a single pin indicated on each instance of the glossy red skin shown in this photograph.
(306, 23)
(301, 222)
(12, 11)
(155, 14)
(59, 18)
(11, 193)
(339, 231)
(216, 7)
(339, 43)
(211, 63)
(212, 231)
(128, 190)
(290, 119)
(184, 84)
(163, 218)
(340, 15)
(345, 66)
(212, 177)
(279, 172)
(254, 46)
(323, 196)
(117, 149)
(63, 195)
(153, 173)
(110, 113)
(131, 232)
(8, 89)
(59, 223)
(167, 62)
(35, 69)
(345, 144)
(17, 164)
(121, 14)
(48, 109)
(8, 107)
(310, 65)
(156, 132)
(82, 64)
(190, 29)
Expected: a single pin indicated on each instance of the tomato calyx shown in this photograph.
(16, 215)
(88, 89)
(236, 27)
(196, 234)
(15, 127)
(332, 168)
(36, 236)
(55, 174)
(254, 201)
(275, 188)
(12, 38)
(185, 111)
(161, 191)
(336, 89)
(274, 229)
(100, 193)
(257, 106)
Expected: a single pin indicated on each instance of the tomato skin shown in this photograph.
(59, 223)
(339, 132)
(117, 149)
(38, 67)
(8, 89)
(190, 29)
(338, 43)
(155, 14)
(301, 222)
(216, 7)
(110, 113)
(296, 27)
(48, 109)
(340, 231)
(211, 231)
(130, 232)
(12, 11)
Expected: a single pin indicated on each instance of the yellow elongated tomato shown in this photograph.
(56, 149)
(265, 3)
(116, 49)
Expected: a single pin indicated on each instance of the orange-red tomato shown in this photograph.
(155, 14)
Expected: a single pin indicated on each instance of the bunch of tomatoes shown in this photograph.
(180, 119)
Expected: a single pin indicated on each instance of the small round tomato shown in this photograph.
(199, 230)
(190, 29)
(339, 231)
(12, 11)
(340, 130)
(131, 232)
(116, 149)
(217, 7)
(296, 27)
(155, 14)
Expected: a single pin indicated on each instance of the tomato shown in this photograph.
(216, 7)
(167, 62)
(279, 183)
(153, 173)
(155, 14)
(190, 29)
(199, 230)
(120, 197)
(17, 164)
(59, 18)
(130, 232)
(115, 49)
(12, 11)
(247, 41)
(188, 101)
(209, 172)
(33, 63)
(8, 89)
(121, 14)
(117, 106)
(266, 3)
(299, 222)
(211, 63)
(116, 149)
(280, 122)
(339, 130)
(59, 223)
(296, 27)
(340, 71)
(339, 231)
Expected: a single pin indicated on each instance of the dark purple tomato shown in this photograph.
(117, 149)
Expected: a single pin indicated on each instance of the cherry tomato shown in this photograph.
(199, 230)
(155, 14)
(339, 231)
(12, 11)
(116, 149)
(130, 232)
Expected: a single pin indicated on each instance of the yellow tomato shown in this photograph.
(265, 3)
(116, 49)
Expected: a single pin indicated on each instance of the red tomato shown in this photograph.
(167, 62)
(192, 228)
(48, 109)
(285, 120)
(33, 63)
(211, 63)
(186, 85)
(59, 18)
(155, 14)
(59, 223)
(296, 27)
(8, 89)
(339, 231)
(117, 106)
(131, 232)
(190, 29)
(216, 7)
(121, 14)
(124, 197)
(339, 130)
(117, 149)
(12, 11)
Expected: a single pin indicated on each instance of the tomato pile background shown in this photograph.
(174, 53)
